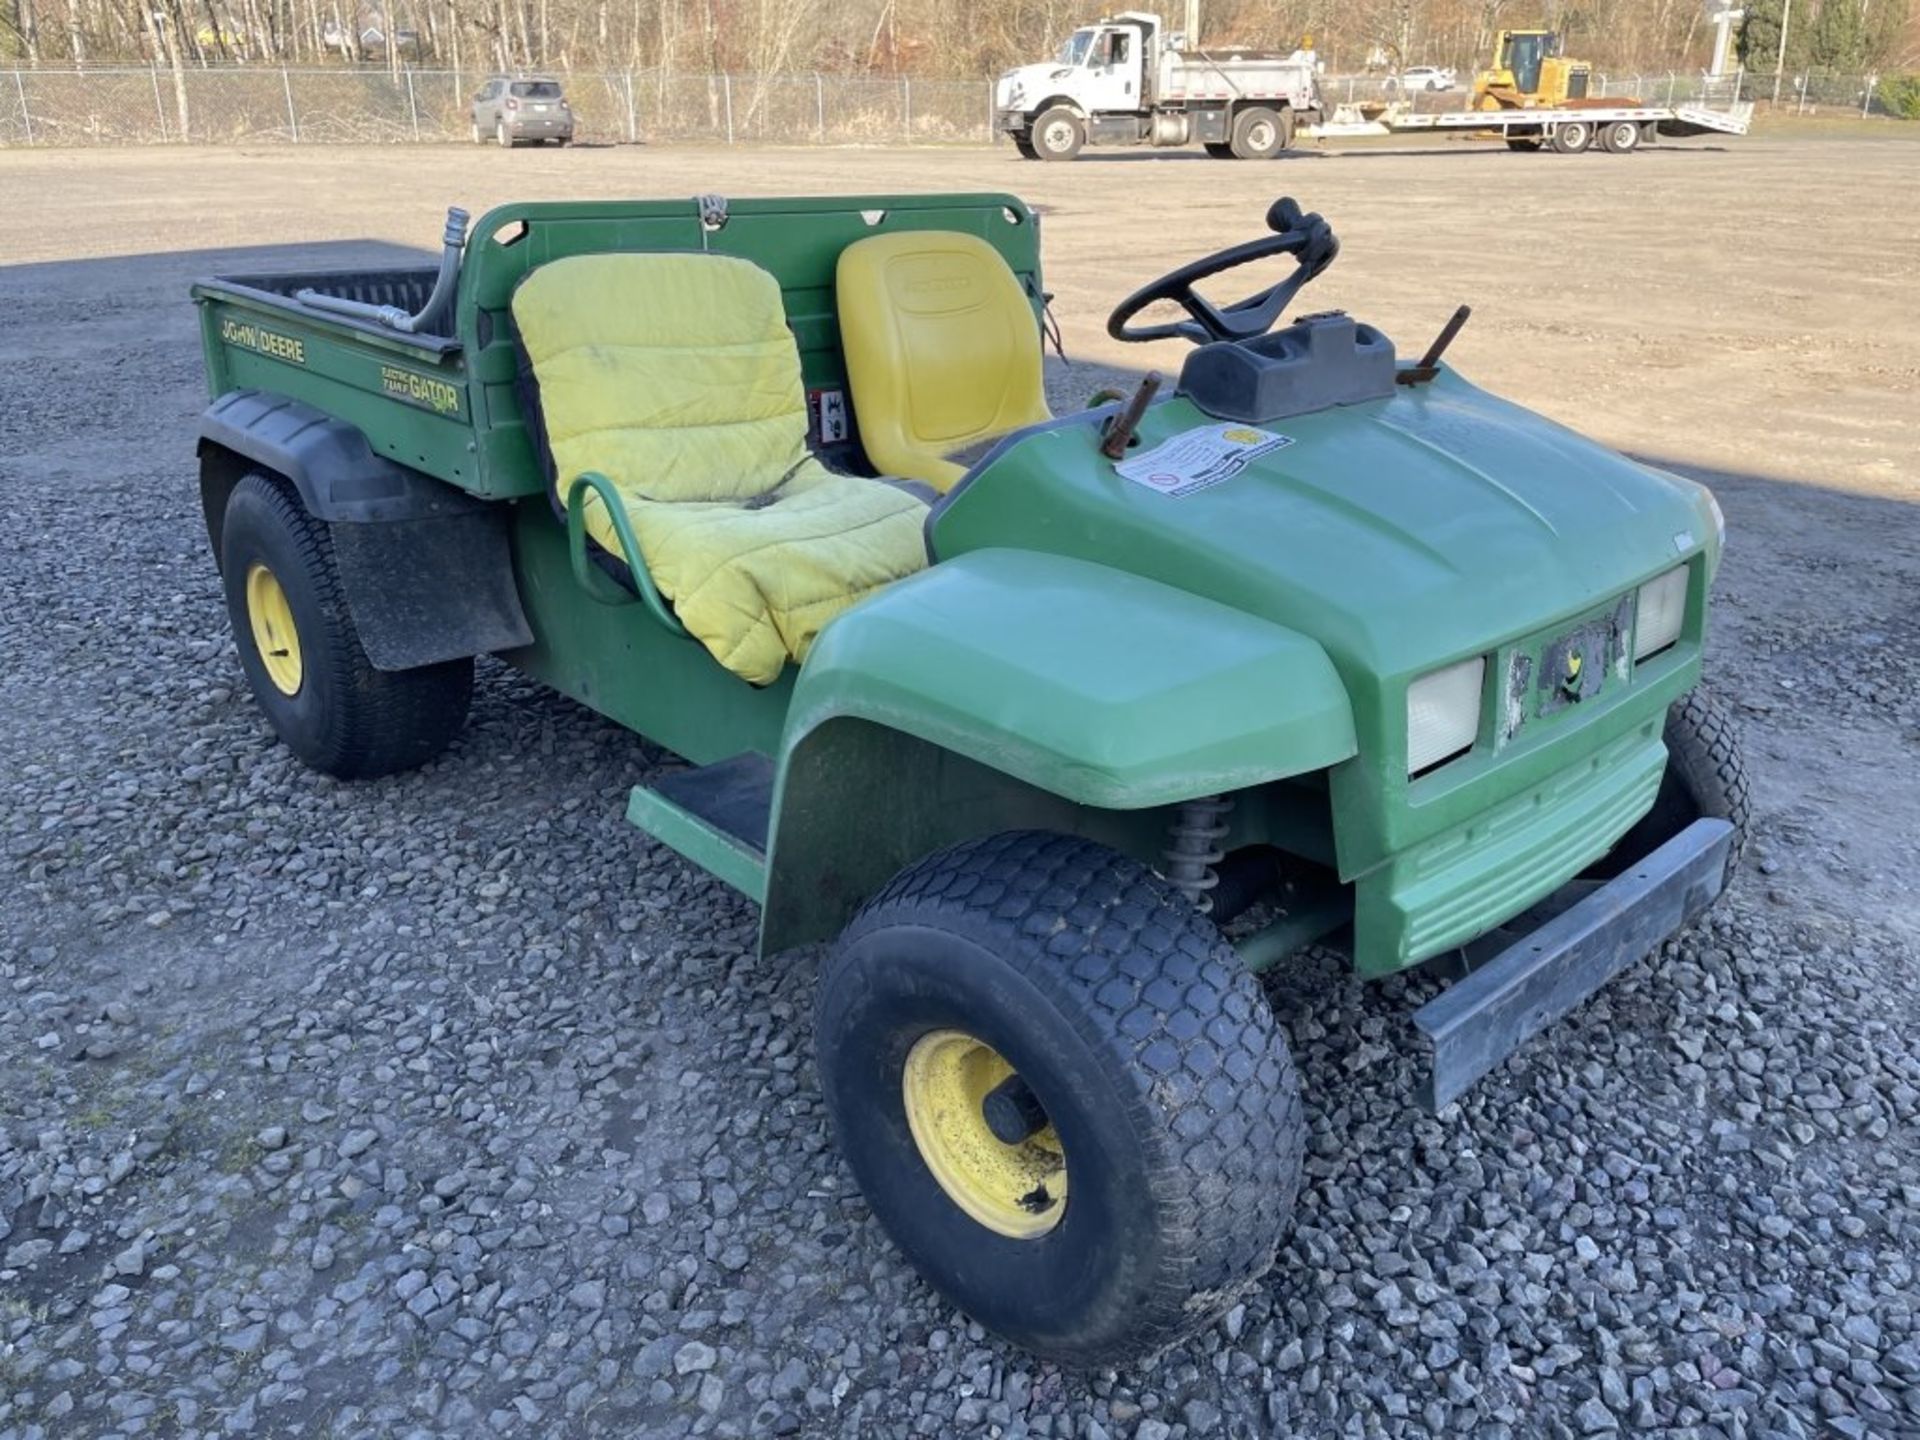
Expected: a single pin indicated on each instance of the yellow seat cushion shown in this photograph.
(674, 375)
(942, 349)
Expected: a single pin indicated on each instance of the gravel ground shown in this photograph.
(449, 1105)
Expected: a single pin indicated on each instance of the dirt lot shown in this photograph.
(318, 1053)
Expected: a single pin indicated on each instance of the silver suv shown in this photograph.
(512, 108)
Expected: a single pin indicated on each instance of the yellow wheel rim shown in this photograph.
(1015, 1190)
(274, 636)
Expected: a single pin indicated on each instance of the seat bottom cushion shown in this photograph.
(754, 581)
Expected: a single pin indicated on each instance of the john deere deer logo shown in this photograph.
(1570, 682)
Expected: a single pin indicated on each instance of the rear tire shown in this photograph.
(1261, 134)
(1523, 142)
(502, 136)
(478, 137)
(1570, 137)
(302, 655)
(1058, 134)
(1621, 137)
(1164, 1135)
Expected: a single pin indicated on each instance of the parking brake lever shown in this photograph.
(1119, 432)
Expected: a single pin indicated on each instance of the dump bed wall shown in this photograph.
(406, 393)
(1185, 78)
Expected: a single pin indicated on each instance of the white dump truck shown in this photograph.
(1128, 80)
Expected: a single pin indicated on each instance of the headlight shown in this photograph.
(1658, 612)
(1443, 713)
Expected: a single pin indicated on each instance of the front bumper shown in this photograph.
(1480, 1020)
(1011, 122)
(1440, 893)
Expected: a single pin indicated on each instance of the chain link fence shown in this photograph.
(320, 107)
(339, 106)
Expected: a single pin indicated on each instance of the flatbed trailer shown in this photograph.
(1568, 129)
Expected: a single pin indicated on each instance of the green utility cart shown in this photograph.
(1024, 714)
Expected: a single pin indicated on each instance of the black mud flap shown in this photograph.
(431, 589)
(1480, 1020)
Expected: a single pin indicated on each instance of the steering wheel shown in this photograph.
(1308, 238)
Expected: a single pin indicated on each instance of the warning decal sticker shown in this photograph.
(829, 409)
(1195, 459)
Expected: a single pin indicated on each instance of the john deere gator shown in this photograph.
(1023, 714)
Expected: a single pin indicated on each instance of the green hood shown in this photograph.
(1399, 533)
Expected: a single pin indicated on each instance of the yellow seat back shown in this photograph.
(675, 377)
(942, 349)
(673, 373)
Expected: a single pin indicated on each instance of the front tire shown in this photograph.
(1706, 778)
(302, 655)
(1058, 134)
(1160, 1156)
(1024, 145)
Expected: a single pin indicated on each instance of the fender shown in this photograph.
(1007, 688)
(427, 568)
(329, 462)
(1064, 102)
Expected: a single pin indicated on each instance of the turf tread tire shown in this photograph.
(1706, 776)
(366, 722)
(1705, 756)
(1181, 1032)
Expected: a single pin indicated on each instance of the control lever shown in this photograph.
(1429, 365)
(1119, 432)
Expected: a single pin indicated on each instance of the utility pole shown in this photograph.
(1780, 59)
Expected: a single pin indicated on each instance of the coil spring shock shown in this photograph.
(1195, 836)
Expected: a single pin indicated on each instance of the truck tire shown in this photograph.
(1706, 777)
(1219, 150)
(1131, 1164)
(1058, 134)
(302, 656)
(1620, 137)
(1570, 137)
(1523, 142)
(1024, 144)
(1261, 134)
